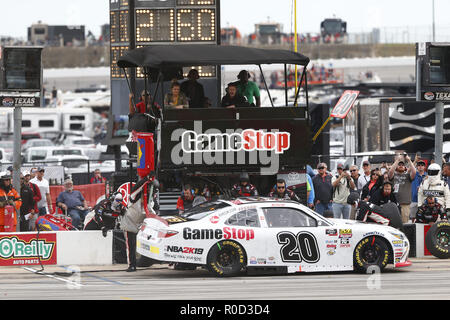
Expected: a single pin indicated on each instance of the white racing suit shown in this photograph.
(435, 187)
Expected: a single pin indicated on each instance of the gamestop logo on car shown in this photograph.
(218, 234)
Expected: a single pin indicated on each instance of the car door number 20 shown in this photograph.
(302, 247)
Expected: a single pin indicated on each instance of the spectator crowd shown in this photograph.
(421, 193)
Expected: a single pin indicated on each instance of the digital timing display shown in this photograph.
(119, 26)
(196, 25)
(155, 25)
(116, 53)
(162, 22)
(196, 2)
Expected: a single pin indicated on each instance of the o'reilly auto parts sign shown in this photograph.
(11, 101)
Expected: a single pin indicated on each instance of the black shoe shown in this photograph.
(131, 269)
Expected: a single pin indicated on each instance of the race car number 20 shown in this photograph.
(298, 248)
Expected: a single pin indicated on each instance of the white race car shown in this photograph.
(269, 235)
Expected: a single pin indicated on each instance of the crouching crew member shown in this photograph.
(430, 211)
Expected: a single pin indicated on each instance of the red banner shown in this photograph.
(26, 249)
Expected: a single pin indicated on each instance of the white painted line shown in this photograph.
(73, 283)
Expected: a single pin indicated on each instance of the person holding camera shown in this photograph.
(342, 184)
(402, 174)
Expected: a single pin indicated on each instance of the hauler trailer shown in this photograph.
(212, 146)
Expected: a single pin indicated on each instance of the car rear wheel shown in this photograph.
(371, 254)
(226, 259)
(437, 240)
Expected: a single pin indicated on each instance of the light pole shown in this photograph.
(434, 26)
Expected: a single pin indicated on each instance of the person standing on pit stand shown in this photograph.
(248, 89)
(244, 188)
(194, 90)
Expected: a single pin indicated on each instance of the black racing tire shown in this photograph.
(371, 252)
(437, 240)
(226, 259)
(143, 261)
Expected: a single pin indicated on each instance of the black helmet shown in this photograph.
(244, 177)
(5, 177)
(353, 198)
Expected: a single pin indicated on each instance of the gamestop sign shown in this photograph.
(27, 249)
(265, 146)
(248, 140)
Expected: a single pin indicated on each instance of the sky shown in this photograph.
(361, 15)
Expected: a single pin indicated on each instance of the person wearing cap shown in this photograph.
(248, 89)
(28, 204)
(402, 177)
(45, 204)
(244, 188)
(73, 203)
(383, 195)
(8, 196)
(421, 174)
(36, 198)
(342, 184)
(365, 177)
(323, 189)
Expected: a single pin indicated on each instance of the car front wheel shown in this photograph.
(371, 254)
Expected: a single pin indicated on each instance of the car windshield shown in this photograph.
(83, 142)
(68, 152)
(203, 210)
(42, 143)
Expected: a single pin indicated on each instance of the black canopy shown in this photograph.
(160, 57)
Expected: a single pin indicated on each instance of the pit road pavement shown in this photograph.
(427, 278)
